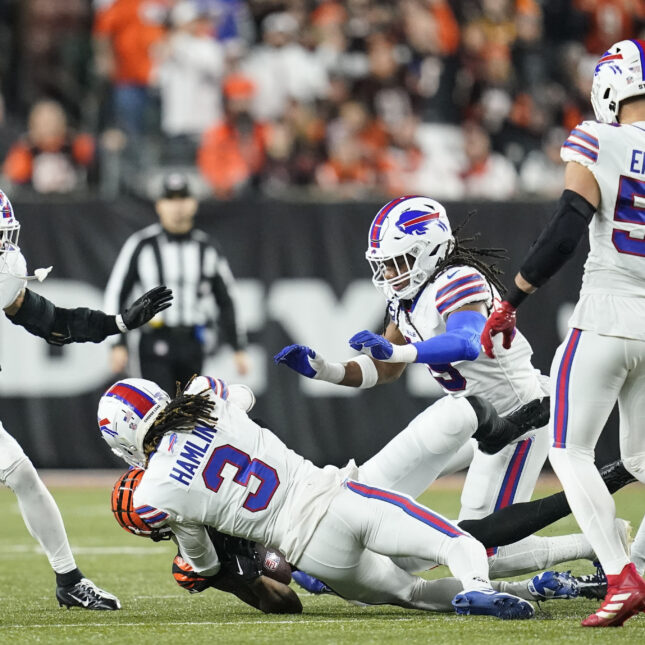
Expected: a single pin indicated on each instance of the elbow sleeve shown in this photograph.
(559, 239)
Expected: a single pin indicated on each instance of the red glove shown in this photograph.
(502, 320)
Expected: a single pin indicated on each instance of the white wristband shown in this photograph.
(330, 372)
(403, 354)
(118, 319)
(368, 370)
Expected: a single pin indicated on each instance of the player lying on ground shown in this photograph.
(210, 465)
(58, 326)
(602, 359)
(264, 586)
(439, 293)
(256, 575)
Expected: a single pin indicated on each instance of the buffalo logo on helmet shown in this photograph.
(103, 425)
(415, 222)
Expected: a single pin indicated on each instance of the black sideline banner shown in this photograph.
(302, 277)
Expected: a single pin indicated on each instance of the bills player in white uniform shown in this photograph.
(602, 359)
(58, 326)
(208, 463)
(439, 295)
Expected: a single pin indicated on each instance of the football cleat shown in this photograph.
(86, 595)
(593, 585)
(309, 583)
(625, 598)
(615, 476)
(492, 603)
(532, 415)
(553, 585)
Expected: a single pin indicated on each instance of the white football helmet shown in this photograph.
(619, 75)
(409, 236)
(126, 412)
(9, 225)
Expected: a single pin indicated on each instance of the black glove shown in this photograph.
(186, 577)
(237, 555)
(144, 308)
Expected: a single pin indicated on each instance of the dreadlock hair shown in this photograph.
(478, 258)
(182, 414)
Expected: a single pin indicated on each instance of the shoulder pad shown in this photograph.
(459, 286)
(582, 144)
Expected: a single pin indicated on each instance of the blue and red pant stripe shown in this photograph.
(561, 411)
(408, 506)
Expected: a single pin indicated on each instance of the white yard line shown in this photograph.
(303, 620)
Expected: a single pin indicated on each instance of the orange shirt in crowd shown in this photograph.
(18, 165)
(227, 160)
(132, 26)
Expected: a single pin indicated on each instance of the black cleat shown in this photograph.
(615, 476)
(493, 432)
(593, 585)
(86, 595)
(532, 415)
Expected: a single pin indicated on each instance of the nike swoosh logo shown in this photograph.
(84, 601)
(452, 275)
(239, 568)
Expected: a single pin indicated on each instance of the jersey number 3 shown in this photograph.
(626, 210)
(247, 469)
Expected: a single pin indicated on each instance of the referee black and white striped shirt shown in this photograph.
(192, 266)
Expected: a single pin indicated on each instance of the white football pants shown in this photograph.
(589, 374)
(363, 524)
(38, 508)
(439, 439)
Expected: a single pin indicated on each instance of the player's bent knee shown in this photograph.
(20, 474)
(635, 464)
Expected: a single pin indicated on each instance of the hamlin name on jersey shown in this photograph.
(612, 296)
(507, 381)
(239, 478)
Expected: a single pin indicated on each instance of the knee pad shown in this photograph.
(11, 454)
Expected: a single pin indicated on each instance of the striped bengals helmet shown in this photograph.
(123, 508)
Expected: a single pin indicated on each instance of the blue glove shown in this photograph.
(371, 344)
(311, 584)
(305, 361)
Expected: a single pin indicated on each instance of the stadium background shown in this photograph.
(467, 100)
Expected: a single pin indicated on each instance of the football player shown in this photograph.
(57, 326)
(208, 464)
(256, 575)
(602, 359)
(439, 293)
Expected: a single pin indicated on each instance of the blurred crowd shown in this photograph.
(460, 99)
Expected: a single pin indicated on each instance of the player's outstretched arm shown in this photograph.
(60, 326)
(552, 249)
(362, 371)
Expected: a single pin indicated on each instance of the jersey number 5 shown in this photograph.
(246, 469)
(627, 210)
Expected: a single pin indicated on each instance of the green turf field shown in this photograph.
(155, 609)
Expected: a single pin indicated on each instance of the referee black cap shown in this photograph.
(175, 185)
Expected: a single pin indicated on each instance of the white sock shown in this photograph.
(535, 553)
(638, 549)
(41, 515)
(466, 559)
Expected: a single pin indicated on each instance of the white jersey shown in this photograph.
(508, 380)
(13, 269)
(612, 298)
(240, 479)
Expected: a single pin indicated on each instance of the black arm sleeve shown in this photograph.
(227, 320)
(559, 239)
(59, 326)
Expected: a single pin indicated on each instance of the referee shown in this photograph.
(173, 252)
